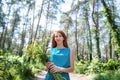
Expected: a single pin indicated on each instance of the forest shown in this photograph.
(92, 28)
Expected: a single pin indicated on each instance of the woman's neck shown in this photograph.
(60, 46)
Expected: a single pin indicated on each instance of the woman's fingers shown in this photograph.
(49, 64)
(51, 67)
(54, 69)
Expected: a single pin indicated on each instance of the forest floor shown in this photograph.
(73, 76)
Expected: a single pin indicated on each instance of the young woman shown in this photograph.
(61, 56)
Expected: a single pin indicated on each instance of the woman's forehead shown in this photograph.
(57, 33)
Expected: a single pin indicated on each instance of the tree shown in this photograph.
(2, 24)
(89, 37)
(115, 30)
(39, 17)
(96, 26)
(22, 42)
(14, 24)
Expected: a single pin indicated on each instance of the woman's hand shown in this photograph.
(48, 65)
(54, 69)
(46, 69)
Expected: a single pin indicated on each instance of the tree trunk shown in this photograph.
(110, 44)
(31, 29)
(44, 38)
(39, 19)
(76, 36)
(96, 28)
(89, 38)
(2, 38)
(22, 42)
(110, 35)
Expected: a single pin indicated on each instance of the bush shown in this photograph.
(108, 75)
(14, 68)
(112, 65)
(81, 67)
(96, 66)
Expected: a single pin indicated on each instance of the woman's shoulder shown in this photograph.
(48, 51)
(71, 50)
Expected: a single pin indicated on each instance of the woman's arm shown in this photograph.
(54, 69)
(48, 51)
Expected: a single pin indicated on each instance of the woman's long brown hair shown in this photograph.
(54, 44)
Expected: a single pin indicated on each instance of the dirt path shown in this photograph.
(73, 76)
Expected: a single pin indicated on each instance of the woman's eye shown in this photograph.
(60, 36)
(56, 36)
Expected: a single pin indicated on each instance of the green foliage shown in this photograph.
(95, 66)
(81, 67)
(13, 67)
(108, 75)
(35, 53)
(20, 71)
(58, 76)
(36, 67)
(112, 65)
(104, 71)
(44, 58)
(99, 69)
(97, 77)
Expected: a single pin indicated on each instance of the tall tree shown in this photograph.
(22, 42)
(95, 19)
(89, 37)
(14, 24)
(39, 17)
(76, 31)
(115, 30)
(9, 6)
(66, 22)
(31, 7)
(2, 24)
(46, 25)
(76, 11)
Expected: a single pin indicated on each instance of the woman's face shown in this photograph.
(59, 38)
